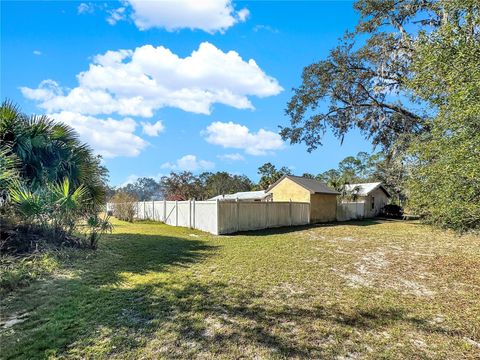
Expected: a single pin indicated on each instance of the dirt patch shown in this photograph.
(372, 270)
(14, 319)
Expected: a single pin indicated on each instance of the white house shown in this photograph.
(374, 196)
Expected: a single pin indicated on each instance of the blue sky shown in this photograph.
(155, 87)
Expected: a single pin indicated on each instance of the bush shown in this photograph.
(124, 206)
(50, 183)
(392, 210)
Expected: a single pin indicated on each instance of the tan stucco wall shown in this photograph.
(323, 208)
(287, 190)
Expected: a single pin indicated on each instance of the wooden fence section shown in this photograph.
(350, 211)
(224, 217)
(243, 216)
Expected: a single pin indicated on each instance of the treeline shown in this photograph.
(363, 167)
(185, 185)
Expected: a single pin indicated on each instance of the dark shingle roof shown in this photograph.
(312, 185)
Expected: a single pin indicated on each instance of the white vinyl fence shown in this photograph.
(350, 211)
(224, 217)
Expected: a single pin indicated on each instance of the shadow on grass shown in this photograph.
(99, 295)
(128, 298)
(290, 229)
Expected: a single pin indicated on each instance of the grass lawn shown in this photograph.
(371, 289)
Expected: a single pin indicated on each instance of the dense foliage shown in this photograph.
(52, 185)
(444, 185)
(269, 174)
(369, 168)
(364, 80)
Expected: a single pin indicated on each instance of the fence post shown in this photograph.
(176, 212)
(144, 211)
(193, 213)
(190, 213)
(238, 214)
(165, 210)
(266, 214)
(218, 215)
(153, 209)
(290, 212)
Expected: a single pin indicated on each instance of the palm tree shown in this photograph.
(48, 152)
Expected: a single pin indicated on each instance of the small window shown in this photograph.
(373, 202)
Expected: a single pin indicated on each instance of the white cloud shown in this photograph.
(268, 28)
(153, 129)
(207, 15)
(108, 137)
(37, 52)
(85, 8)
(138, 82)
(189, 163)
(46, 90)
(232, 157)
(130, 180)
(116, 15)
(236, 136)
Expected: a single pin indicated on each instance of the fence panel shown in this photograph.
(224, 217)
(245, 216)
(228, 217)
(278, 214)
(300, 213)
(350, 211)
(204, 216)
(252, 216)
(183, 213)
(157, 210)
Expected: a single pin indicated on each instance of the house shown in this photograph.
(322, 199)
(245, 196)
(374, 196)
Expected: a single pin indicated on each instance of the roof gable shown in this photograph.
(365, 189)
(312, 185)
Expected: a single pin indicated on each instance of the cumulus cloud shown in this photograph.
(108, 137)
(153, 129)
(207, 15)
(189, 163)
(138, 82)
(236, 136)
(232, 157)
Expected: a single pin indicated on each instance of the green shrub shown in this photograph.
(392, 210)
(124, 206)
(50, 182)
